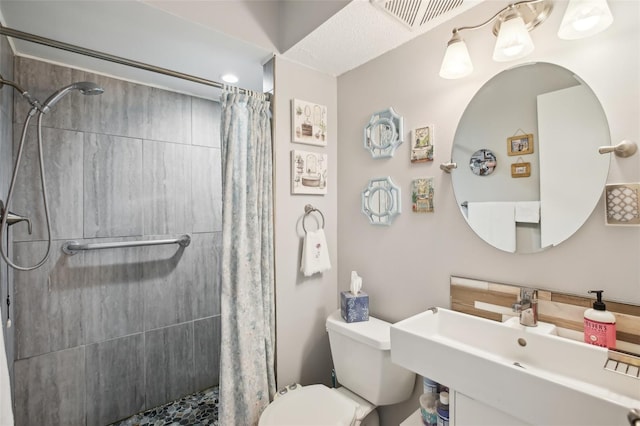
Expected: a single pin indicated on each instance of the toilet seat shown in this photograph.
(314, 405)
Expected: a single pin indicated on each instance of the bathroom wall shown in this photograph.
(303, 303)
(6, 132)
(406, 267)
(104, 334)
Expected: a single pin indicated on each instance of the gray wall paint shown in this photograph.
(406, 267)
(303, 303)
(117, 330)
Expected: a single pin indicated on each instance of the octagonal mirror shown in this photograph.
(381, 201)
(384, 133)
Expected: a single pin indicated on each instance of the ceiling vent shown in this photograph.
(417, 13)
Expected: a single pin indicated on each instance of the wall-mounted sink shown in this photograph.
(535, 377)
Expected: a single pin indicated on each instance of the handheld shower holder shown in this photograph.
(13, 218)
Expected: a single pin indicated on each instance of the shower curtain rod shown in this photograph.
(9, 32)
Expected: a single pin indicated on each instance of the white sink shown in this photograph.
(539, 378)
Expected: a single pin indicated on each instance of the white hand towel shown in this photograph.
(315, 255)
(528, 211)
(495, 223)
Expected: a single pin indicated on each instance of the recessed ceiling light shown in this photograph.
(229, 78)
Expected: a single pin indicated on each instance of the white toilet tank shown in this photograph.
(361, 354)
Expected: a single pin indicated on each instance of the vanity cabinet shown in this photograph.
(469, 412)
(466, 411)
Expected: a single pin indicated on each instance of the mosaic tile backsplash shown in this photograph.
(494, 301)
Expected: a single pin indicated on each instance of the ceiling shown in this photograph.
(210, 38)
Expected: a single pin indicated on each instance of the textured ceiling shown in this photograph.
(209, 38)
(358, 33)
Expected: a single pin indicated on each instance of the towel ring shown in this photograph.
(308, 209)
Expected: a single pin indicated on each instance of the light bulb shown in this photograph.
(229, 78)
(513, 42)
(586, 23)
(456, 62)
(584, 18)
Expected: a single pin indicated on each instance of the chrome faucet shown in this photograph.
(527, 307)
(13, 218)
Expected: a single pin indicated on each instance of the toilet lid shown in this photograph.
(314, 405)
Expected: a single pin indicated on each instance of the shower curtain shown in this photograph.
(247, 377)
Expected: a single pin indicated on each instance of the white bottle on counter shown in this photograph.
(599, 324)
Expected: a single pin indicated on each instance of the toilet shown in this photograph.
(361, 354)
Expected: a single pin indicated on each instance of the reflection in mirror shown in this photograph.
(381, 201)
(383, 133)
(529, 212)
(483, 162)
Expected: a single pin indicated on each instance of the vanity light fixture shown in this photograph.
(512, 25)
(514, 41)
(584, 18)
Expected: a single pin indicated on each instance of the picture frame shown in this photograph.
(422, 144)
(422, 192)
(483, 162)
(520, 144)
(308, 172)
(308, 123)
(520, 169)
(622, 204)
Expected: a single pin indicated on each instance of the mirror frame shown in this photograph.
(391, 136)
(392, 192)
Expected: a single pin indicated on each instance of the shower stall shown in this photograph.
(101, 335)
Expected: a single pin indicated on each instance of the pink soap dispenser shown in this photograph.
(599, 324)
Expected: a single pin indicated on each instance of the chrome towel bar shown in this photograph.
(73, 247)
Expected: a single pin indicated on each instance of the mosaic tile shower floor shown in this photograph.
(198, 409)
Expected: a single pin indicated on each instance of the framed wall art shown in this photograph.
(422, 144)
(520, 144)
(622, 204)
(308, 172)
(520, 169)
(422, 195)
(308, 123)
(483, 162)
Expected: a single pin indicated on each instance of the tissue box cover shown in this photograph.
(354, 308)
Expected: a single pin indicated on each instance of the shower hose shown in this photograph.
(5, 214)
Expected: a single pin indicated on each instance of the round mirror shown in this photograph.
(544, 124)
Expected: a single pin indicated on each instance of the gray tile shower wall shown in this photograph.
(114, 370)
(63, 151)
(121, 330)
(6, 138)
(50, 389)
(113, 182)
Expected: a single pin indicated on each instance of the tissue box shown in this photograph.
(354, 308)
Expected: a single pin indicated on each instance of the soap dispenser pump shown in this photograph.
(599, 324)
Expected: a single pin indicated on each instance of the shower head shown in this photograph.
(85, 87)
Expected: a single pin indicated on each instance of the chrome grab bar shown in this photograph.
(73, 247)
